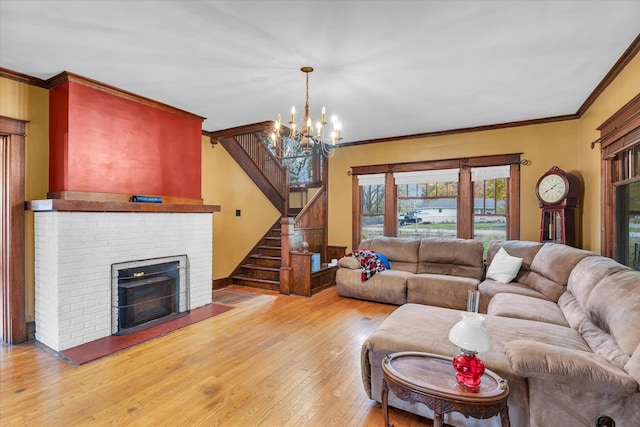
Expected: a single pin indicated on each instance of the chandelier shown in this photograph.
(305, 133)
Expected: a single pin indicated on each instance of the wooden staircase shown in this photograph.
(261, 268)
(268, 265)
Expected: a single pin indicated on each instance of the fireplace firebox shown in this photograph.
(147, 296)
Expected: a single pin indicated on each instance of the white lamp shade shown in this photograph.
(469, 334)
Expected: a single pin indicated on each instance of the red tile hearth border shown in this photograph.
(108, 345)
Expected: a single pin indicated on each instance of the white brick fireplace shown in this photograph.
(74, 254)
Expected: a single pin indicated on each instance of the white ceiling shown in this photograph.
(386, 68)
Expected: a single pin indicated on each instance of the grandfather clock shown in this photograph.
(557, 193)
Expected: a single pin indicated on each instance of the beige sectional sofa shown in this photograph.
(566, 336)
(424, 271)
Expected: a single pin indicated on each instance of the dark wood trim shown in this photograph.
(618, 132)
(465, 130)
(117, 197)
(513, 223)
(356, 212)
(66, 77)
(618, 126)
(287, 235)
(31, 331)
(260, 127)
(221, 283)
(489, 160)
(22, 78)
(50, 205)
(617, 68)
(13, 309)
(390, 226)
(465, 204)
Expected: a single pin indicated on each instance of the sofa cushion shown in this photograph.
(387, 286)
(603, 344)
(517, 248)
(490, 288)
(588, 273)
(614, 306)
(581, 369)
(526, 307)
(551, 268)
(454, 257)
(504, 267)
(440, 290)
(401, 253)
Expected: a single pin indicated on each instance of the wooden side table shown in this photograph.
(430, 379)
(305, 282)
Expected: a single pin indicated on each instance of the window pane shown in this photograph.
(490, 210)
(429, 210)
(629, 224)
(372, 211)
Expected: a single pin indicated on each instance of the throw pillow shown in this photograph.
(504, 267)
(349, 262)
(384, 260)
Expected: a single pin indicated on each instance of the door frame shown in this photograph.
(12, 300)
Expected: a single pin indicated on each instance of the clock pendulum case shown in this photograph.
(557, 193)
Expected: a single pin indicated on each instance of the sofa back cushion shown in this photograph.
(401, 253)
(588, 273)
(614, 307)
(454, 257)
(551, 267)
(516, 248)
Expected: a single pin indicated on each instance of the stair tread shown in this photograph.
(260, 267)
(255, 279)
(261, 256)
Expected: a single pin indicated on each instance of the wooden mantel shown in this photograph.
(60, 205)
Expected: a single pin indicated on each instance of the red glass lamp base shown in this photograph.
(469, 370)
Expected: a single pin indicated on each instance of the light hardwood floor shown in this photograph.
(271, 361)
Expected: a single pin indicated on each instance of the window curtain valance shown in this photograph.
(371, 179)
(490, 172)
(424, 177)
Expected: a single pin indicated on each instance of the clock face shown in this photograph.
(552, 188)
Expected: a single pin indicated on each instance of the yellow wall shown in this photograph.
(30, 103)
(617, 94)
(564, 144)
(224, 183)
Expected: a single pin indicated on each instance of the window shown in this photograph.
(299, 164)
(620, 145)
(427, 203)
(466, 198)
(372, 202)
(490, 207)
(628, 239)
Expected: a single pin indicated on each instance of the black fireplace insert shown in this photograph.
(146, 295)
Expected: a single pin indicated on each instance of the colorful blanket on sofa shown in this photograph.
(369, 261)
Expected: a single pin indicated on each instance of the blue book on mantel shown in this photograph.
(146, 199)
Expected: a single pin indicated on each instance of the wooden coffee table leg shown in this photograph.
(385, 407)
(437, 419)
(504, 417)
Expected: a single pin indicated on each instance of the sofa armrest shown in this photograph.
(580, 369)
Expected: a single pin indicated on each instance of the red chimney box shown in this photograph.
(105, 140)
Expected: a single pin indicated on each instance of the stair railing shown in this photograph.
(247, 145)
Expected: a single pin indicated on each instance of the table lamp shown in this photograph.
(471, 337)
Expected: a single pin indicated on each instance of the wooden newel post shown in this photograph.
(287, 235)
